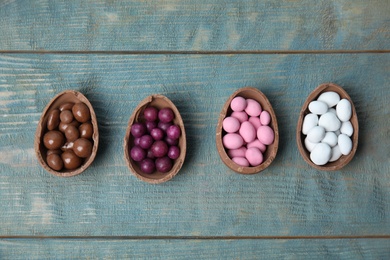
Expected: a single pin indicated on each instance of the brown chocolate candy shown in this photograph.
(72, 133)
(55, 162)
(66, 116)
(81, 112)
(53, 140)
(66, 106)
(86, 130)
(71, 160)
(53, 119)
(82, 147)
(62, 126)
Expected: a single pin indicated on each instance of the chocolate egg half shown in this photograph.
(271, 150)
(50, 123)
(300, 137)
(159, 102)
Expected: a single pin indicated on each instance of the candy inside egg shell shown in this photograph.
(302, 135)
(248, 94)
(160, 102)
(54, 155)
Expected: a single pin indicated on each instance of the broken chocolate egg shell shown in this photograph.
(272, 149)
(41, 151)
(158, 101)
(300, 137)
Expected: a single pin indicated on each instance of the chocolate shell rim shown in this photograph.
(156, 177)
(272, 149)
(344, 159)
(38, 140)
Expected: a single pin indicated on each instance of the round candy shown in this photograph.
(265, 118)
(256, 143)
(345, 144)
(151, 114)
(247, 132)
(71, 160)
(336, 154)
(253, 107)
(232, 141)
(318, 107)
(239, 152)
(344, 110)
(254, 156)
(238, 104)
(159, 148)
(166, 115)
(86, 130)
(241, 116)
(164, 164)
(316, 134)
(147, 166)
(53, 140)
(82, 147)
(72, 133)
(55, 162)
(66, 106)
(53, 119)
(309, 145)
(231, 124)
(346, 128)
(81, 112)
(310, 121)
(66, 116)
(331, 98)
(329, 121)
(320, 154)
(241, 161)
(265, 134)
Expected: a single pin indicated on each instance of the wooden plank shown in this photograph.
(194, 249)
(194, 25)
(205, 198)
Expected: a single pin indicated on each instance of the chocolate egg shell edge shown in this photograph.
(54, 103)
(159, 101)
(344, 159)
(270, 153)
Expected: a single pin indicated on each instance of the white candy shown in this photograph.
(320, 154)
(310, 121)
(331, 98)
(316, 134)
(336, 154)
(330, 139)
(309, 145)
(329, 121)
(346, 128)
(344, 110)
(345, 144)
(318, 107)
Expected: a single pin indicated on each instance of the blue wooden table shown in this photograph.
(197, 53)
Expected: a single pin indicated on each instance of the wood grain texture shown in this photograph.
(195, 249)
(194, 25)
(206, 198)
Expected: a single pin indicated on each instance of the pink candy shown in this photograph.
(247, 132)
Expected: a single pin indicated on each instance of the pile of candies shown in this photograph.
(247, 132)
(327, 128)
(156, 140)
(69, 137)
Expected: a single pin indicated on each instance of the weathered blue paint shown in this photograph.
(289, 199)
(194, 25)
